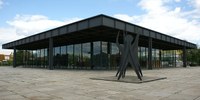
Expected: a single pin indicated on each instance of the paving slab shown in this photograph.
(43, 84)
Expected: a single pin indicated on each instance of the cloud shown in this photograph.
(177, 0)
(7, 35)
(160, 16)
(32, 24)
(1, 3)
(25, 25)
(196, 4)
(151, 6)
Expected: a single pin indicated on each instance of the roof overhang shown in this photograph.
(98, 28)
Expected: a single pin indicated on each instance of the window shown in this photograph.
(63, 57)
(77, 56)
(96, 54)
(56, 57)
(104, 55)
(115, 56)
(86, 52)
(70, 56)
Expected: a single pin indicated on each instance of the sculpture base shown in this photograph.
(130, 79)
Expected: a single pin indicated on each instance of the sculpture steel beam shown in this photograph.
(129, 55)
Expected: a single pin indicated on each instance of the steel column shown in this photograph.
(175, 57)
(92, 60)
(184, 57)
(150, 54)
(160, 60)
(51, 53)
(14, 58)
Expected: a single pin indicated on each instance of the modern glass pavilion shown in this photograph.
(90, 44)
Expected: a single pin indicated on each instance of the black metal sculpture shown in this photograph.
(129, 54)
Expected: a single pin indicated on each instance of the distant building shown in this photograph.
(7, 57)
(2, 57)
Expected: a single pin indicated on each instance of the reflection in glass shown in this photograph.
(56, 57)
(42, 58)
(104, 54)
(38, 58)
(70, 56)
(114, 58)
(86, 52)
(63, 58)
(143, 57)
(34, 58)
(46, 57)
(28, 58)
(77, 55)
(96, 54)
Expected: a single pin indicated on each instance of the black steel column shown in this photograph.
(91, 55)
(51, 53)
(150, 54)
(175, 57)
(184, 57)
(160, 60)
(26, 58)
(146, 59)
(14, 58)
(109, 53)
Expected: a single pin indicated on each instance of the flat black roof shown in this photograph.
(98, 28)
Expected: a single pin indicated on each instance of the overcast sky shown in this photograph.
(21, 18)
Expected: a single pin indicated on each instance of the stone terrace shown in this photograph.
(42, 84)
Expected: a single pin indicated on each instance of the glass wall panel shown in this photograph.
(56, 57)
(157, 61)
(70, 56)
(77, 56)
(96, 54)
(143, 58)
(28, 57)
(86, 58)
(38, 58)
(19, 57)
(46, 57)
(172, 58)
(104, 55)
(155, 58)
(24, 58)
(115, 56)
(42, 58)
(168, 58)
(34, 58)
(63, 58)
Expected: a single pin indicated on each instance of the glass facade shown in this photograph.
(86, 55)
(70, 56)
(92, 55)
(143, 56)
(77, 56)
(96, 55)
(63, 57)
(105, 55)
(114, 56)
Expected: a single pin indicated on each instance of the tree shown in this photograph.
(193, 56)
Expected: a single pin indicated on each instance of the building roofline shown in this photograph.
(102, 18)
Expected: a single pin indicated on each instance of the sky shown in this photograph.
(22, 18)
